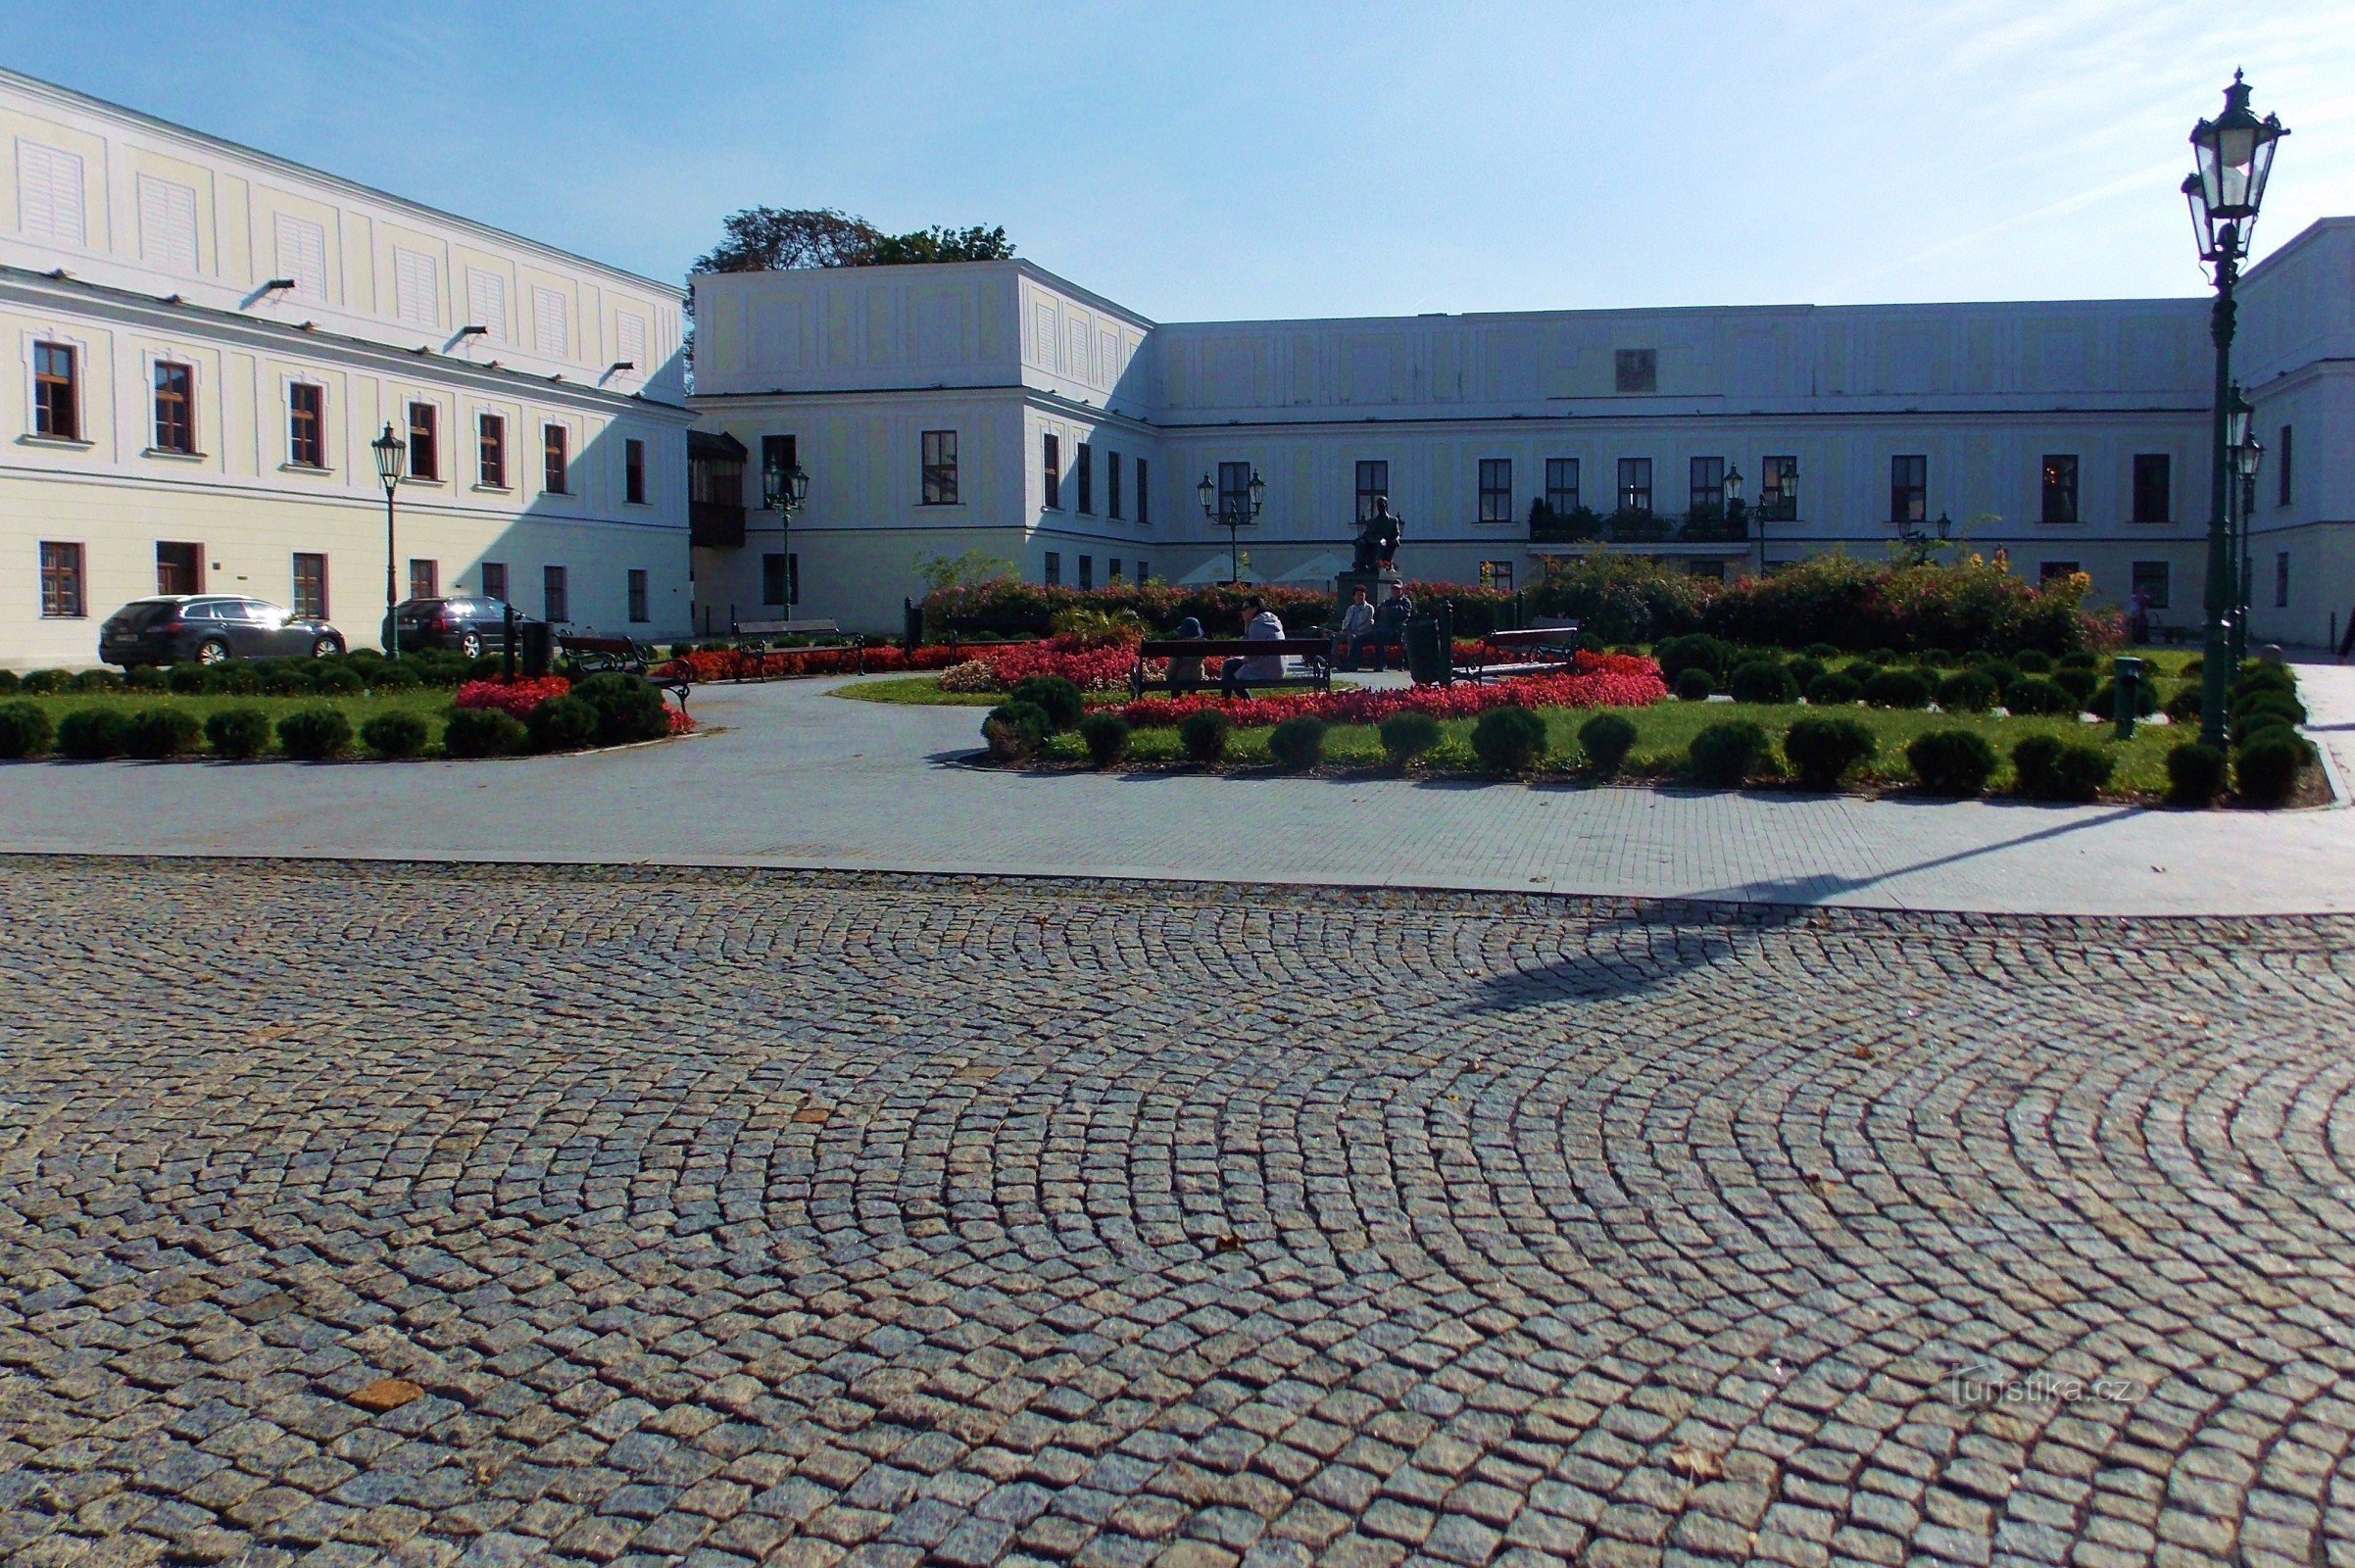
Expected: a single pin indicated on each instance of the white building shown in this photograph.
(209, 337)
(993, 405)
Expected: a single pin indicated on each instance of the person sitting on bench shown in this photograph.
(1390, 628)
(1355, 621)
(1185, 673)
(1259, 625)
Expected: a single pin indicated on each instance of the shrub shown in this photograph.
(1606, 739)
(575, 724)
(483, 732)
(1834, 689)
(1056, 696)
(186, 680)
(239, 732)
(394, 735)
(1694, 651)
(1881, 656)
(2184, 704)
(139, 678)
(1202, 736)
(336, 680)
(2274, 727)
(236, 678)
(2003, 672)
(24, 730)
(2195, 773)
(1763, 680)
(1821, 751)
(1298, 744)
(2077, 659)
(1014, 731)
(2032, 661)
(2194, 668)
(391, 675)
(1106, 738)
(2034, 695)
(1692, 685)
(1821, 651)
(2267, 769)
(1804, 671)
(1899, 688)
(8, 681)
(1938, 659)
(159, 732)
(2251, 705)
(2251, 677)
(2105, 699)
(629, 708)
(2077, 684)
(90, 733)
(1724, 754)
(1969, 691)
(1508, 740)
(42, 682)
(315, 734)
(2050, 768)
(286, 677)
(96, 680)
(1952, 762)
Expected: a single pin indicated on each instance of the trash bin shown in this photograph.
(538, 642)
(1426, 652)
(912, 626)
(2127, 690)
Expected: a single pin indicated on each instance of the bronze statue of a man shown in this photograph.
(1377, 544)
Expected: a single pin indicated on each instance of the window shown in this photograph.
(634, 471)
(61, 597)
(1087, 571)
(555, 440)
(2153, 485)
(553, 607)
(1714, 570)
(1495, 489)
(2059, 487)
(1084, 471)
(552, 327)
(637, 594)
(1561, 484)
(1143, 495)
(311, 585)
(179, 568)
(1373, 484)
(494, 580)
(175, 408)
(2149, 580)
(1705, 483)
(490, 451)
(1053, 459)
(424, 579)
(2282, 470)
(49, 203)
(2047, 571)
(772, 578)
(939, 459)
(1497, 575)
(1055, 569)
(424, 441)
(1909, 490)
(166, 224)
(303, 257)
(486, 303)
(2282, 579)
(416, 289)
(1635, 484)
(1143, 570)
(1111, 571)
(1111, 485)
(631, 330)
(56, 403)
(1234, 489)
(306, 424)
(1636, 370)
(1779, 489)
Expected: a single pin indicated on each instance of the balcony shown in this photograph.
(715, 524)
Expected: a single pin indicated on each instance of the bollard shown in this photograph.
(2126, 682)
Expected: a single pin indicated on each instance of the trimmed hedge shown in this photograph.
(1763, 680)
(393, 736)
(25, 730)
(2268, 767)
(1834, 689)
(2034, 695)
(90, 733)
(1055, 696)
(1692, 685)
(1013, 730)
(1298, 744)
(1821, 751)
(1408, 736)
(1952, 762)
(1202, 736)
(1899, 688)
(155, 733)
(629, 708)
(563, 724)
(1725, 755)
(2195, 773)
(2050, 768)
(483, 732)
(237, 733)
(315, 734)
(1106, 737)
(1606, 739)
(1968, 690)
(1508, 740)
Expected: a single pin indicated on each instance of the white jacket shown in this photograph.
(1263, 627)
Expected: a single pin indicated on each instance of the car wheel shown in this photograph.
(212, 650)
(327, 648)
(470, 645)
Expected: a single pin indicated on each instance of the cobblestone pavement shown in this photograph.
(811, 1218)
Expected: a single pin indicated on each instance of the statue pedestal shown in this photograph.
(1376, 581)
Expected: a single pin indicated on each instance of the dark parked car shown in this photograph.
(470, 625)
(207, 628)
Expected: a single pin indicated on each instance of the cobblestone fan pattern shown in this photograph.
(436, 1214)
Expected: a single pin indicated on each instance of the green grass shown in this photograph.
(923, 690)
(429, 702)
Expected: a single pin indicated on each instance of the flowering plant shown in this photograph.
(1594, 680)
(1087, 661)
(515, 698)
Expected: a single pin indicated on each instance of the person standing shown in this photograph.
(1259, 625)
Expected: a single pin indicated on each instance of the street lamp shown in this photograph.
(392, 455)
(2247, 453)
(1232, 510)
(2234, 157)
(1732, 506)
(782, 491)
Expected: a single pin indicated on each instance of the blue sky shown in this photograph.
(1221, 159)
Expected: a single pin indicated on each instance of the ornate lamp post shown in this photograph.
(2236, 156)
(1233, 511)
(782, 491)
(392, 462)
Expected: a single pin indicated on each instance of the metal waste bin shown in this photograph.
(2125, 680)
(538, 643)
(1427, 652)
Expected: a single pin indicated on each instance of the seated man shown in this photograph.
(1390, 629)
(1259, 624)
(1186, 669)
(1357, 620)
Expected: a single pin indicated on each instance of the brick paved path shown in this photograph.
(815, 1219)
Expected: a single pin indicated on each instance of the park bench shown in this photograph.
(1315, 655)
(599, 656)
(1530, 651)
(2153, 631)
(761, 636)
(1004, 626)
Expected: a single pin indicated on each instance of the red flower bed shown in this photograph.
(516, 697)
(736, 663)
(681, 722)
(1599, 680)
(1101, 666)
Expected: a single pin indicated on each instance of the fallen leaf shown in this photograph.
(1862, 1052)
(385, 1394)
(813, 1113)
(1694, 1462)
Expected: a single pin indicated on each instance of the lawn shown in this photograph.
(429, 702)
(923, 690)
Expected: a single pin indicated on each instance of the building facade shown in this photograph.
(206, 340)
(993, 406)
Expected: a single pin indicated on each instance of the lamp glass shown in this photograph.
(1209, 494)
(800, 484)
(391, 455)
(1258, 492)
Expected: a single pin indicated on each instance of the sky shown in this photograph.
(1271, 159)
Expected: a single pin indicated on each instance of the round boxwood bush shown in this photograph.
(2257, 675)
(2105, 699)
(2274, 727)
(186, 680)
(1966, 691)
(42, 682)
(1821, 651)
(1606, 739)
(1298, 744)
(97, 680)
(2077, 660)
(2049, 768)
(2195, 773)
(629, 708)
(239, 732)
(2267, 769)
(1952, 762)
(24, 730)
(1202, 736)
(1408, 736)
(2034, 695)
(483, 732)
(1105, 736)
(286, 677)
(1724, 754)
(8, 681)
(572, 726)
(337, 680)
(394, 735)
(2184, 704)
(236, 678)
(1936, 659)
(1821, 751)
(1056, 696)
(2032, 661)
(1880, 656)
(1834, 689)
(1692, 685)
(2078, 684)
(1508, 740)
(155, 733)
(391, 675)
(2250, 703)
(1763, 680)
(2003, 672)
(90, 733)
(1803, 670)
(1692, 650)
(315, 734)
(143, 678)
(1899, 688)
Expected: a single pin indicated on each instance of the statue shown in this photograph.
(1377, 544)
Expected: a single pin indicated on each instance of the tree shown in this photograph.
(762, 239)
(975, 566)
(938, 244)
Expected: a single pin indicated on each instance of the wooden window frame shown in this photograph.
(1909, 487)
(315, 607)
(65, 580)
(936, 454)
(556, 458)
(490, 451)
(1562, 499)
(1636, 485)
(1495, 489)
(55, 394)
(2153, 499)
(1371, 478)
(307, 428)
(175, 408)
(424, 436)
